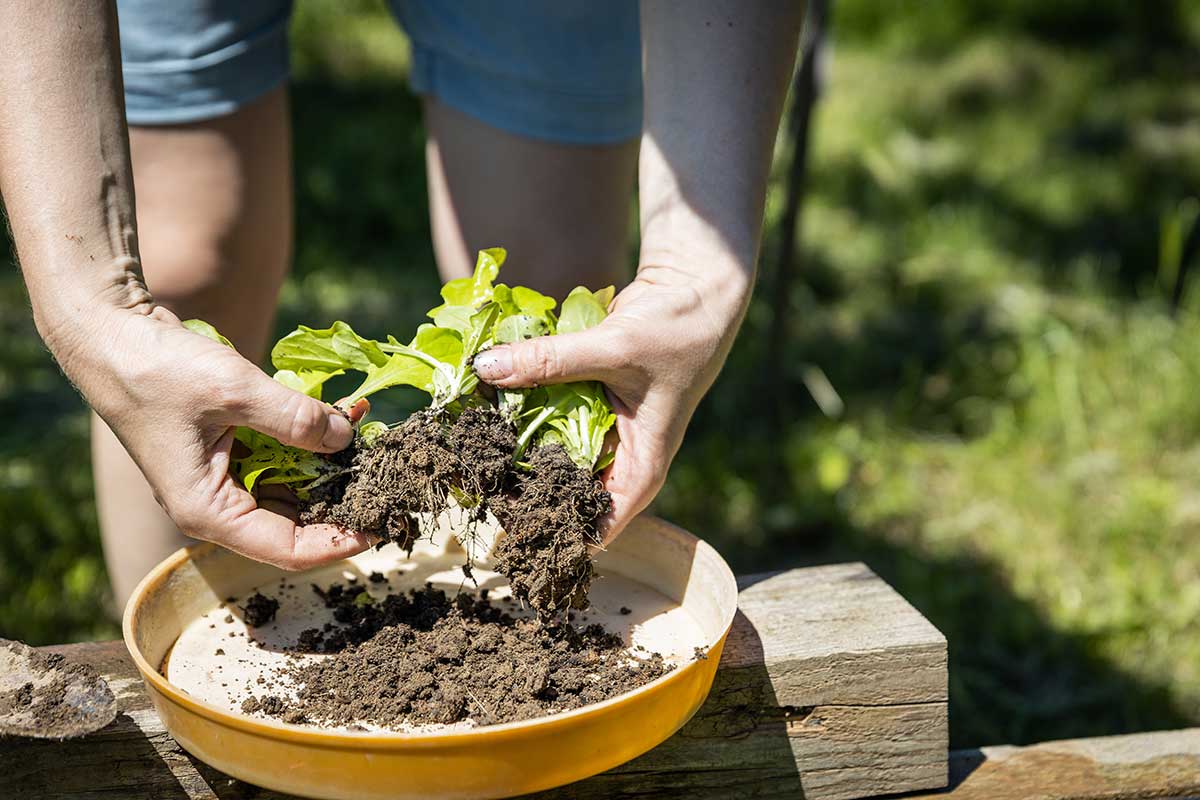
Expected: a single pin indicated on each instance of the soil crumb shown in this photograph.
(259, 610)
(549, 512)
(423, 657)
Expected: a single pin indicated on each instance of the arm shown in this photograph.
(171, 396)
(715, 76)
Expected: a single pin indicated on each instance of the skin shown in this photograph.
(714, 80)
(549, 188)
(67, 184)
(235, 183)
(715, 77)
(222, 261)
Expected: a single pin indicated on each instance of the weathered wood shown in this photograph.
(1164, 764)
(831, 687)
(837, 635)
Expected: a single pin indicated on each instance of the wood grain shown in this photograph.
(831, 687)
(1163, 764)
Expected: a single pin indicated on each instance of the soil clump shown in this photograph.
(259, 610)
(548, 511)
(47, 701)
(549, 519)
(423, 657)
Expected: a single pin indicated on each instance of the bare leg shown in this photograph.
(562, 211)
(214, 215)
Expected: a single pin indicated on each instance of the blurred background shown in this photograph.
(975, 366)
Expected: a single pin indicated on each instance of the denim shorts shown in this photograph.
(560, 70)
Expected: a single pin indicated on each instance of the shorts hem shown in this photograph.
(179, 91)
(524, 108)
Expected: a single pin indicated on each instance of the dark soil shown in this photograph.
(259, 610)
(423, 657)
(484, 443)
(548, 512)
(549, 520)
(48, 703)
(17, 699)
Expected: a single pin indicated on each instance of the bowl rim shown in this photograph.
(355, 740)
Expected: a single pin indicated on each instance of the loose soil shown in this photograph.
(548, 512)
(423, 657)
(47, 703)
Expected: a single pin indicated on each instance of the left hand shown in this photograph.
(657, 353)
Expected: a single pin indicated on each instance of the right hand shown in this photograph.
(173, 398)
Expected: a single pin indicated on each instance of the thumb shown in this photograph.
(587, 355)
(291, 417)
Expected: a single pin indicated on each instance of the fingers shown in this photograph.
(268, 530)
(632, 486)
(625, 506)
(275, 538)
(359, 410)
(588, 355)
(291, 417)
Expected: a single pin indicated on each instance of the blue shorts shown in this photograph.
(561, 70)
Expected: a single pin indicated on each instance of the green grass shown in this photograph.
(985, 286)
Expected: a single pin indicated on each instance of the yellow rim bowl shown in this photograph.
(493, 761)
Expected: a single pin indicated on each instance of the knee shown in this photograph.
(182, 267)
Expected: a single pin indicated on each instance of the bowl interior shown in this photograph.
(196, 580)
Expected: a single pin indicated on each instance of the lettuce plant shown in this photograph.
(475, 313)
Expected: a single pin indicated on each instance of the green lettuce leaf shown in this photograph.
(437, 361)
(371, 431)
(334, 348)
(415, 364)
(584, 309)
(469, 293)
(307, 381)
(533, 303)
(519, 327)
(205, 329)
(460, 379)
(272, 462)
(576, 416)
(524, 314)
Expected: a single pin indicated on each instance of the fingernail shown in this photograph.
(338, 433)
(494, 364)
(359, 410)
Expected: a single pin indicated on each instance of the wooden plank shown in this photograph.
(830, 683)
(1142, 766)
(831, 687)
(837, 635)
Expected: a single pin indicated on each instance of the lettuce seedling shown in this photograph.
(475, 313)
(436, 361)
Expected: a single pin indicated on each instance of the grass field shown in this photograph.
(993, 290)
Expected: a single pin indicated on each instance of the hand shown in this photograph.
(173, 398)
(657, 353)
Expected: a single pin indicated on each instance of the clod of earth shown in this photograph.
(259, 610)
(548, 511)
(423, 657)
(61, 698)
